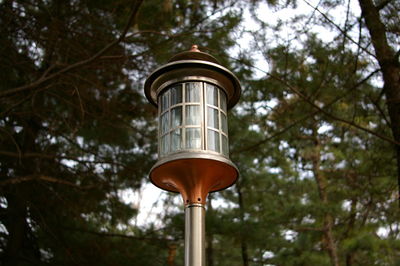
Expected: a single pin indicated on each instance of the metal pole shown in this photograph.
(195, 235)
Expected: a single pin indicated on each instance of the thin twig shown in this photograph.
(340, 29)
(350, 123)
(16, 180)
(310, 114)
(44, 78)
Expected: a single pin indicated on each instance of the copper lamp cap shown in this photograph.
(194, 54)
(189, 65)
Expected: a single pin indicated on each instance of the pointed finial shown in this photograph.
(194, 48)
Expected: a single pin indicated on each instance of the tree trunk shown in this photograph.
(352, 220)
(21, 248)
(171, 255)
(243, 242)
(16, 226)
(389, 62)
(322, 184)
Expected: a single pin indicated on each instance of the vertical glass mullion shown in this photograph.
(184, 115)
(159, 126)
(203, 120)
(205, 116)
(219, 120)
(169, 132)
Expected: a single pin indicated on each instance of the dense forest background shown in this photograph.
(316, 135)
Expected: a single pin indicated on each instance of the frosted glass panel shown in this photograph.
(193, 92)
(164, 122)
(165, 144)
(212, 95)
(213, 140)
(225, 147)
(165, 101)
(193, 115)
(176, 117)
(176, 140)
(222, 97)
(224, 123)
(176, 94)
(193, 138)
(212, 118)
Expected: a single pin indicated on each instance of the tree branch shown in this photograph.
(44, 78)
(106, 234)
(340, 29)
(60, 157)
(17, 180)
(350, 123)
(310, 114)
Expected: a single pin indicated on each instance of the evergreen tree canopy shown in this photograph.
(316, 135)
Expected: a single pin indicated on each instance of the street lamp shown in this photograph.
(193, 93)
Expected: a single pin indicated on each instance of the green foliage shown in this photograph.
(315, 186)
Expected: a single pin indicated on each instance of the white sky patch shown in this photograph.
(255, 128)
(289, 235)
(69, 163)
(324, 128)
(383, 232)
(263, 107)
(220, 203)
(149, 201)
(268, 255)
(346, 205)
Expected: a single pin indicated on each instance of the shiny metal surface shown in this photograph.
(194, 177)
(194, 53)
(210, 71)
(195, 235)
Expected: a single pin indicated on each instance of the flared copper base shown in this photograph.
(194, 178)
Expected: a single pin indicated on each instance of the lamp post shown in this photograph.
(193, 93)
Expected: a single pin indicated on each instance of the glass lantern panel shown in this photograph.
(193, 92)
(176, 117)
(165, 123)
(176, 140)
(193, 138)
(212, 140)
(212, 118)
(225, 147)
(176, 94)
(224, 123)
(164, 144)
(212, 95)
(165, 101)
(193, 115)
(222, 97)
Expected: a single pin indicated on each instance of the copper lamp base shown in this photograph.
(194, 178)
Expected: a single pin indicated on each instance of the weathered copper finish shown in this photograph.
(194, 178)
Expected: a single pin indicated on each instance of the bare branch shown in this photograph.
(350, 123)
(44, 78)
(344, 32)
(310, 114)
(19, 155)
(17, 180)
(61, 157)
(119, 235)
